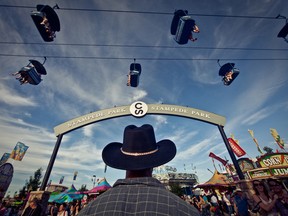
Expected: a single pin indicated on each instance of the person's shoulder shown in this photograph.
(255, 197)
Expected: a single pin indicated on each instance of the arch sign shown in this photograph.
(139, 109)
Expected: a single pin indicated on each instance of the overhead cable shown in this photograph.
(143, 58)
(147, 12)
(141, 46)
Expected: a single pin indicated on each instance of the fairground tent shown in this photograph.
(217, 180)
(66, 196)
(103, 185)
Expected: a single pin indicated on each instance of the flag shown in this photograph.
(61, 180)
(277, 138)
(224, 162)
(75, 175)
(19, 151)
(255, 140)
(4, 158)
(236, 148)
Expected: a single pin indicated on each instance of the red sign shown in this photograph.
(236, 148)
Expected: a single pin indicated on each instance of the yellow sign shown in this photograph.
(276, 159)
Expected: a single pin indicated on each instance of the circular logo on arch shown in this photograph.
(138, 109)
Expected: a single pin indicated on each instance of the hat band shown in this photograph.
(137, 153)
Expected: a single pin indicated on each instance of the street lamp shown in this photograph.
(93, 180)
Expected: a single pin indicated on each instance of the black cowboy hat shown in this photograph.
(139, 150)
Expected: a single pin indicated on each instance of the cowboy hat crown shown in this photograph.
(139, 150)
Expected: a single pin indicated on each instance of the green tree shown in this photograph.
(35, 181)
(176, 189)
(268, 150)
(83, 188)
(33, 184)
(22, 193)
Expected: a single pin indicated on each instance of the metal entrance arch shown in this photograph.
(139, 109)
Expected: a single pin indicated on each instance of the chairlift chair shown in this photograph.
(134, 74)
(228, 73)
(177, 15)
(46, 21)
(284, 32)
(183, 26)
(31, 73)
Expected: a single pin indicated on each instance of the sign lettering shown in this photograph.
(139, 109)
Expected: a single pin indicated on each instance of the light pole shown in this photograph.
(93, 180)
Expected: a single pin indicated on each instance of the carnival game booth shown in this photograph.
(68, 195)
(102, 186)
(273, 165)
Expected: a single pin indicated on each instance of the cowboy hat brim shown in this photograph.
(114, 157)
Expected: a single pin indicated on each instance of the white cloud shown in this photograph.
(12, 98)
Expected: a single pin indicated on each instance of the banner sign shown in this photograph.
(4, 158)
(236, 148)
(275, 159)
(139, 109)
(245, 164)
(281, 171)
(19, 151)
(260, 173)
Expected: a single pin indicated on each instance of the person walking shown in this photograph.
(139, 193)
(281, 204)
(241, 206)
(34, 209)
(262, 198)
(63, 210)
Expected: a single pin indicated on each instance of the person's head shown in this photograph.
(275, 186)
(259, 187)
(139, 153)
(33, 203)
(238, 191)
(62, 207)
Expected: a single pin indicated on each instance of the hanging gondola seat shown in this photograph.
(283, 32)
(38, 66)
(184, 29)
(177, 15)
(54, 22)
(134, 75)
(34, 78)
(225, 70)
(30, 75)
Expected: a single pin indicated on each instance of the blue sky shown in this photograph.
(75, 86)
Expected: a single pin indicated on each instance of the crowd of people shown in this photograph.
(35, 209)
(267, 198)
(142, 195)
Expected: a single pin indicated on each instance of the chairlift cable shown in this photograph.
(141, 46)
(146, 12)
(144, 58)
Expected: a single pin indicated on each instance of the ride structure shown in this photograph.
(31, 73)
(46, 21)
(284, 31)
(134, 74)
(183, 27)
(228, 73)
